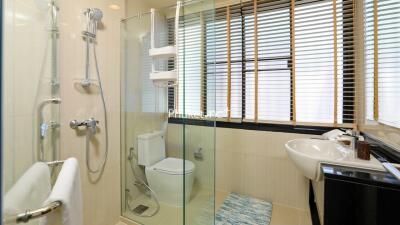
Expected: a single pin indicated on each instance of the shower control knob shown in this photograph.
(90, 124)
(74, 124)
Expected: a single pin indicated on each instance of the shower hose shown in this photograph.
(89, 133)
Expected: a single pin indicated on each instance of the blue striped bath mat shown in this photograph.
(243, 210)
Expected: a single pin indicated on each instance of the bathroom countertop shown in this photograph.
(368, 177)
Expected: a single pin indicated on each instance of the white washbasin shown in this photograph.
(308, 154)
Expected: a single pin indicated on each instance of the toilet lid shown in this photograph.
(174, 166)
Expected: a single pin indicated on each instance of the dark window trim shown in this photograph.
(283, 128)
(290, 65)
(242, 20)
(204, 79)
(381, 149)
(348, 69)
(1, 111)
(313, 206)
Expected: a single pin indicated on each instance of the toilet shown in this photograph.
(165, 175)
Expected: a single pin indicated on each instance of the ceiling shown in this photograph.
(160, 3)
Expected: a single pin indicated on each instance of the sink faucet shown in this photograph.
(350, 139)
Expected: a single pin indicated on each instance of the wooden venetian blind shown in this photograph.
(268, 53)
(279, 60)
(187, 98)
(216, 55)
(324, 61)
(224, 62)
(382, 61)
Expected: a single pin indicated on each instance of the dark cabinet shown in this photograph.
(360, 197)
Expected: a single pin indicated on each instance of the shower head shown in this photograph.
(95, 14)
(93, 19)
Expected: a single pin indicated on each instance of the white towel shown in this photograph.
(67, 190)
(29, 192)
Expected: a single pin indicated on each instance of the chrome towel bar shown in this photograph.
(37, 213)
(33, 214)
(55, 163)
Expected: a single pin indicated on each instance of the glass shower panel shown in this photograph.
(198, 108)
(144, 118)
(176, 187)
(30, 87)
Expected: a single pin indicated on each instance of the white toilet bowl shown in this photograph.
(165, 178)
(165, 175)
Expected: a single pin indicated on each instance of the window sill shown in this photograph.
(248, 125)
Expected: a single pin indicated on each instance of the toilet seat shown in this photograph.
(173, 166)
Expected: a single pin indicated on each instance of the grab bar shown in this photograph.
(33, 214)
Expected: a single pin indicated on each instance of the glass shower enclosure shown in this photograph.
(30, 87)
(168, 127)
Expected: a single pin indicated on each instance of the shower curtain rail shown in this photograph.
(33, 214)
(138, 15)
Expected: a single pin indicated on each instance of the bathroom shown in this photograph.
(200, 112)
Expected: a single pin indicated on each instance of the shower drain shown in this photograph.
(140, 209)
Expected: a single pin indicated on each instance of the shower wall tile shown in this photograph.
(195, 138)
(101, 193)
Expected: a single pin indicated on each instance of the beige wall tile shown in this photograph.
(259, 166)
(248, 162)
(102, 197)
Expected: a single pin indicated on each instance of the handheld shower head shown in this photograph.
(95, 14)
(93, 18)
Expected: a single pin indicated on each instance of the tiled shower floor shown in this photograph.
(168, 215)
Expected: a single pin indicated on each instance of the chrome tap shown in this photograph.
(352, 136)
(44, 127)
(91, 124)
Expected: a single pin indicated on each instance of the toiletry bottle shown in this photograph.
(363, 150)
